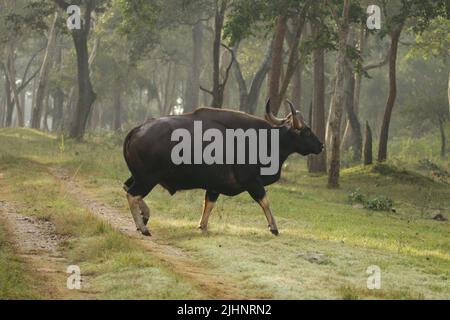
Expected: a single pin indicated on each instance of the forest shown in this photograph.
(370, 78)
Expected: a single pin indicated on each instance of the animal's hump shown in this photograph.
(218, 112)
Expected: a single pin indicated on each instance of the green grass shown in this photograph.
(117, 268)
(412, 250)
(15, 281)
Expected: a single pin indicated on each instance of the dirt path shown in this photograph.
(211, 283)
(37, 243)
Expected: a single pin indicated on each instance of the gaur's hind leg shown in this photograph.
(145, 211)
(208, 205)
(258, 193)
(138, 208)
(134, 202)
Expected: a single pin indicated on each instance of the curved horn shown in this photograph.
(270, 117)
(297, 122)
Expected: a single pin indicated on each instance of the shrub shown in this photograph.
(356, 196)
(380, 203)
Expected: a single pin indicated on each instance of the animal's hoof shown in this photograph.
(146, 233)
(274, 232)
(202, 229)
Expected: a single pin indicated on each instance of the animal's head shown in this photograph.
(303, 139)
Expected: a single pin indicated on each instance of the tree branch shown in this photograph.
(227, 72)
(25, 83)
(376, 64)
(62, 4)
(206, 90)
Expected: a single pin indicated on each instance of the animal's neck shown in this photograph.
(286, 147)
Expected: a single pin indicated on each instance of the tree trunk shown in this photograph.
(338, 98)
(58, 95)
(296, 93)
(43, 77)
(277, 64)
(449, 93)
(95, 116)
(117, 123)
(58, 109)
(2, 111)
(368, 146)
(242, 85)
(218, 86)
(193, 83)
(10, 71)
(384, 135)
(348, 133)
(355, 139)
(443, 140)
(258, 80)
(46, 111)
(318, 163)
(276, 93)
(9, 102)
(248, 100)
(86, 94)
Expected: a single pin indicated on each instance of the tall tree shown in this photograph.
(86, 95)
(248, 98)
(193, 83)
(43, 76)
(277, 91)
(219, 82)
(338, 98)
(384, 133)
(421, 13)
(318, 163)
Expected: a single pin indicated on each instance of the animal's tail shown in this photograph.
(127, 184)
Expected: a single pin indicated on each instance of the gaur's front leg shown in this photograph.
(208, 205)
(258, 193)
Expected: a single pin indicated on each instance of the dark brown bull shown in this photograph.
(147, 151)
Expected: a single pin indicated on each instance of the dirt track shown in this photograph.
(36, 242)
(178, 261)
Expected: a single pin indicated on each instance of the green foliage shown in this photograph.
(15, 282)
(436, 170)
(434, 41)
(356, 196)
(246, 17)
(380, 203)
(414, 250)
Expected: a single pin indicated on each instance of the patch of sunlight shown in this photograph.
(364, 242)
(226, 228)
(27, 134)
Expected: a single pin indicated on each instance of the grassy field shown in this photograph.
(325, 246)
